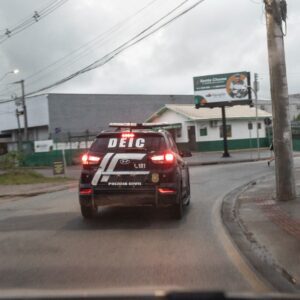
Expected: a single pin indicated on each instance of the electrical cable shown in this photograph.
(38, 15)
(131, 42)
(87, 47)
(84, 49)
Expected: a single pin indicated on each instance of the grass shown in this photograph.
(20, 176)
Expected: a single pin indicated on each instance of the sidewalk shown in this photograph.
(209, 158)
(270, 229)
(29, 190)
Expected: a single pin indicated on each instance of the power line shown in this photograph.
(33, 19)
(81, 51)
(73, 56)
(131, 42)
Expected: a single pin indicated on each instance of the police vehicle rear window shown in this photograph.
(136, 142)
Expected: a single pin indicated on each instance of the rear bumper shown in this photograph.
(142, 196)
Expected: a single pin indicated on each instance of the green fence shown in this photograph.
(73, 156)
(296, 144)
(47, 158)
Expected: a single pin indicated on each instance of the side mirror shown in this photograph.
(185, 153)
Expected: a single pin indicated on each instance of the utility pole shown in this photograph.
(282, 138)
(24, 111)
(18, 113)
(26, 138)
(255, 89)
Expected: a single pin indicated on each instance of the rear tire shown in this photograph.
(188, 193)
(87, 212)
(178, 206)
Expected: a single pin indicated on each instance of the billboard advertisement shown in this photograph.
(218, 88)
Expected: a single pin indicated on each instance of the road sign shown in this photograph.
(229, 87)
(58, 168)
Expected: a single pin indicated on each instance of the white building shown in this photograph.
(77, 117)
(201, 129)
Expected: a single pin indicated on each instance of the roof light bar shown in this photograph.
(137, 125)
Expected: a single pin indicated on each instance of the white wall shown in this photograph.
(172, 117)
(37, 113)
(239, 130)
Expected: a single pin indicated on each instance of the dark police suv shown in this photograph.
(132, 165)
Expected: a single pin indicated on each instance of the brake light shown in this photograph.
(127, 135)
(86, 191)
(166, 158)
(84, 158)
(169, 157)
(166, 191)
(90, 159)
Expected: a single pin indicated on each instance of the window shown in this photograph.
(203, 131)
(298, 107)
(259, 125)
(152, 142)
(229, 134)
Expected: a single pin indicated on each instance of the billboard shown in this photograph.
(43, 146)
(218, 88)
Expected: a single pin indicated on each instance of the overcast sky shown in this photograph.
(218, 36)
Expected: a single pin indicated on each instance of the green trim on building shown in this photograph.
(296, 144)
(232, 145)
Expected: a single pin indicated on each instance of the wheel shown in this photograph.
(178, 206)
(87, 212)
(188, 193)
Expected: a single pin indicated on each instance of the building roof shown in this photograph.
(233, 112)
(96, 111)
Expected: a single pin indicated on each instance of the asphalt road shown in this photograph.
(45, 244)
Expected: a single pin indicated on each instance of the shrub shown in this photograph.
(11, 160)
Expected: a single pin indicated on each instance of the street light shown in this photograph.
(15, 71)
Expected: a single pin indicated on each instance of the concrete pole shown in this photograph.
(24, 111)
(284, 164)
(19, 131)
(224, 126)
(256, 115)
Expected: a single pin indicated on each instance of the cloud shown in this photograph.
(216, 37)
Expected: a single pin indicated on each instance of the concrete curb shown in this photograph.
(257, 255)
(218, 162)
(42, 191)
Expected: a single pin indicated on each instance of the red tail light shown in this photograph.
(167, 158)
(127, 135)
(90, 159)
(86, 191)
(166, 191)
